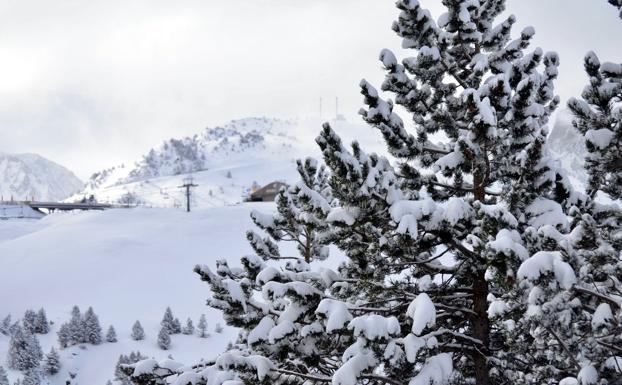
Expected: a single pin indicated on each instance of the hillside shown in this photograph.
(28, 176)
(129, 265)
(225, 162)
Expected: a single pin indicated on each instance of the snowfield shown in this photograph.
(129, 264)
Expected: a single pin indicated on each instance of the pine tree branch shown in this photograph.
(565, 348)
(605, 298)
(303, 375)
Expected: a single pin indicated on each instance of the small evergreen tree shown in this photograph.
(168, 321)
(176, 326)
(24, 351)
(29, 323)
(189, 328)
(5, 325)
(118, 373)
(202, 327)
(4, 379)
(42, 324)
(138, 333)
(76, 327)
(164, 339)
(111, 335)
(218, 328)
(92, 329)
(51, 363)
(64, 335)
(32, 377)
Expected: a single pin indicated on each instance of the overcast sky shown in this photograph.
(91, 84)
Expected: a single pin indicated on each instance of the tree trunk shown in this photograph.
(481, 328)
(480, 324)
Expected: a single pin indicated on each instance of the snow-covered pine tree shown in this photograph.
(51, 363)
(218, 328)
(202, 327)
(138, 333)
(120, 376)
(598, 116)
(4, 379)
(189, 328)
(427, 291)
(164, 339)
(168, 321)
(287, 225)
(111, 335)
(118, 373)
(92, 328)
(76, 327)
(42, 324)
(176, 326)
(29, 322)
(24, 350)
(64, 335)
(5, 325)
(585, 319)
(32, 377)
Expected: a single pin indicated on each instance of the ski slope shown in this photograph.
(129, 264)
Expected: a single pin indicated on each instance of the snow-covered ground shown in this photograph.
(129, 264)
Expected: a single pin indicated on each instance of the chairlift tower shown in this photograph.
(188, 184)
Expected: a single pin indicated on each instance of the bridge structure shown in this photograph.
(63, 206)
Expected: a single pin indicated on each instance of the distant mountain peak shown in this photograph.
(31, 176)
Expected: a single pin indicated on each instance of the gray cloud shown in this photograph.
(94, 83)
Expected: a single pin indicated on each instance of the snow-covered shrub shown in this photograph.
(138, 333)
(80, 329)
(24, 350)
(202, 327)
(111, 335)
(51, 363)
(189, 328)
(164, 339)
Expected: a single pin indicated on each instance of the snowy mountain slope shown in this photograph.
(128, 264)
(224, 161)
(251, 138)
(567, 145)
(27, 176)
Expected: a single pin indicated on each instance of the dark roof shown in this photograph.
(269, 190)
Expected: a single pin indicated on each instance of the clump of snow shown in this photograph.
(546, 212)
(423, 313)
(548, 262)
(261, 331)
(599, 138)
(348, 373)
(374, 326)
(509, 242)
(346, 215)
(412, 345)
(588, 375)
(497, 308)
(602, 315)
(336, 313)
(436, 370)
